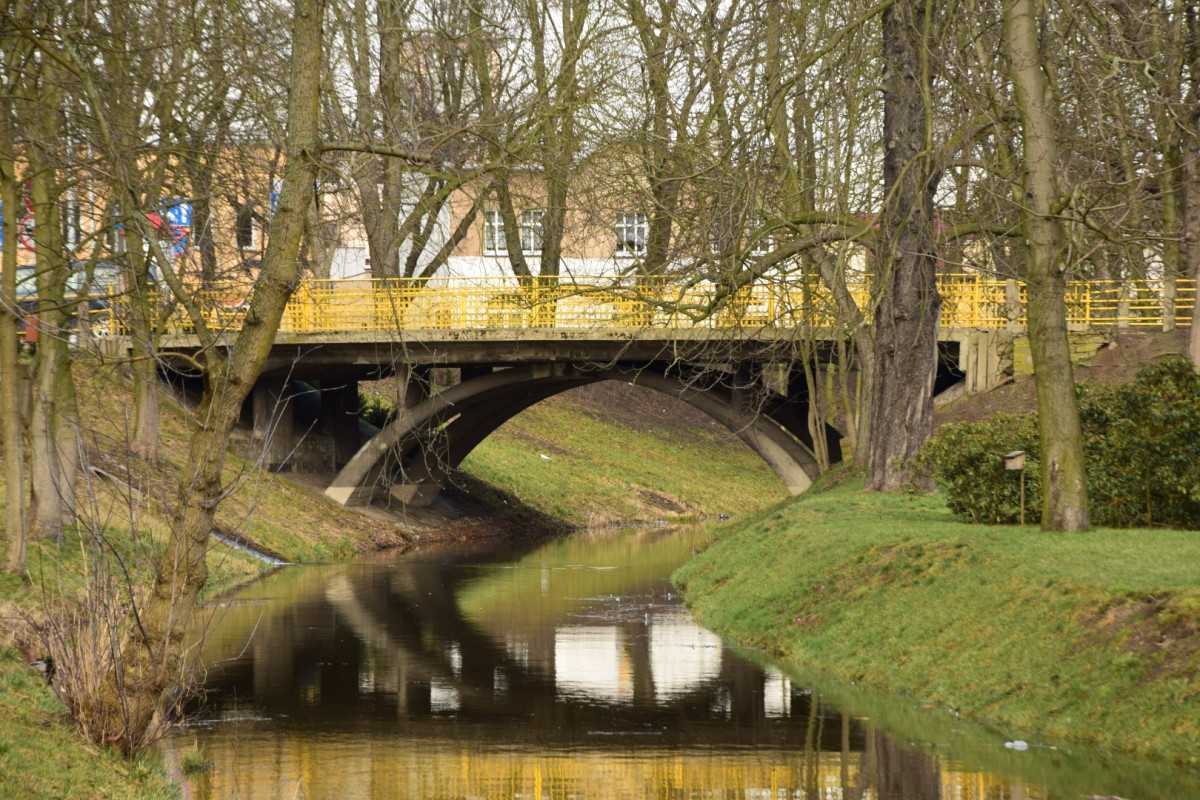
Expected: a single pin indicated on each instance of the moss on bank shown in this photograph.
(1090, 637)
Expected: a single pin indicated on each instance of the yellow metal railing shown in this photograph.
(444, 304)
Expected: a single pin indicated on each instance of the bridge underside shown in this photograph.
(305, 407)
(415, 454)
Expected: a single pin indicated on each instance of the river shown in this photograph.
(568, 670)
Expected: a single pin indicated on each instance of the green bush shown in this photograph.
(375, 410)
(1141, 444)
(967, 459)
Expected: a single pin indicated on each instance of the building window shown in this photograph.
(631, 234)
(72, 222)
(114, 234)
(244, 228)
(531, 231)
(494, 240)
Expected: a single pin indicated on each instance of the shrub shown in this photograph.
(1143, 448)
(375, 410)
(967, 459)
(1141, 445)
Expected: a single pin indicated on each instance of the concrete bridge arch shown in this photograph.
(432, 437)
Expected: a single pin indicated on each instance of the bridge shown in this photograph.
(514, 343)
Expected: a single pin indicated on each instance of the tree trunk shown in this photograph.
(1063, 481)
(143, 330)
(121, 714)
(1191, 238)
(138, 188)
(11, 377)
(200, 173)
(909, 307)
(1191, 180)
(145, 409)
(53, 418)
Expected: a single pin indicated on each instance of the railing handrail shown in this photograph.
(599, 303)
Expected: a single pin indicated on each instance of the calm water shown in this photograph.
(569, 671)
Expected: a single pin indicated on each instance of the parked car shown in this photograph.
(26, 292)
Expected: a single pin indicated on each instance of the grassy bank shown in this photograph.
(1090, 637)
(41, 754)
(614, 453)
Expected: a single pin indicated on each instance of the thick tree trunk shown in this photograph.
(909, 307)
(1191, 183)
(143, 332)
(137, 188)
(202, 237)
(122, 713)
(1191, 238)
(146, 409)
(1063, 481)
(512, 226)
(11, 377)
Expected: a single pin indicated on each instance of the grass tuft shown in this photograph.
(194, 762)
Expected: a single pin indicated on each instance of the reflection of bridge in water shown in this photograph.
(371, 644)
(514, 345)
(569, 673)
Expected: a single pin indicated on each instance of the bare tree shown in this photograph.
(152, 659)
(12, 377)
(1064, 483)
(406, 141)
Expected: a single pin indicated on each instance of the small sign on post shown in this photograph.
(1016, 461)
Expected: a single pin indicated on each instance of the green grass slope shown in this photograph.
(615, 453)
(1091, 637)
(42, 755)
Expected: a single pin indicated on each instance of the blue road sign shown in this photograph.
(178, 213)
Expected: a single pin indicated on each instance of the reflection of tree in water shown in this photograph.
(899, 774)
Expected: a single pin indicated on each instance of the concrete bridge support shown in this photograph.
(273, 437)
(339, 420)
(297, 427)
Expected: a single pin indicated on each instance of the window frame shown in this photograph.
(532, 232)
(245, 228)
(495, 240)
(626, 229)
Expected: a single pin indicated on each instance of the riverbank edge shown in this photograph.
(1044, 636)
